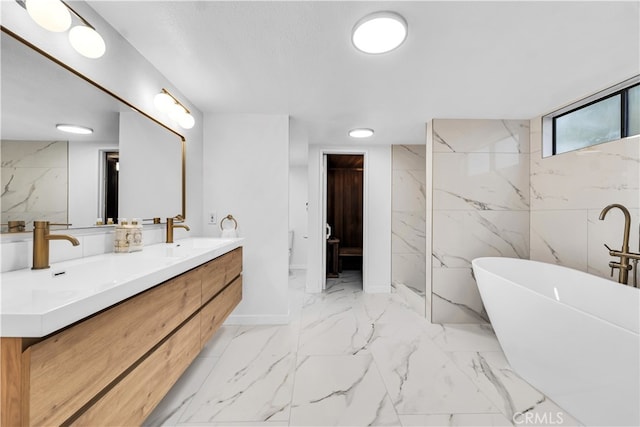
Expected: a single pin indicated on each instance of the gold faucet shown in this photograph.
(41, 238)
(624, 254)
(16, 226)
(171, 225)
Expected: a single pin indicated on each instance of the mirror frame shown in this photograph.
(183, 141)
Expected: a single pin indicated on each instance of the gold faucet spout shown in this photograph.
(73, 240)
(627, 223)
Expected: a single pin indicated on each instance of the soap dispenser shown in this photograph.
(121, 241)
(135, 235)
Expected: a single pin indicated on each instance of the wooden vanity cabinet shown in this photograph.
(114, 367)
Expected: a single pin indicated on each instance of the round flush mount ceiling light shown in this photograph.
(361, 133)
(81, 130)
(379, 32)
(51, 15)
(87, 42)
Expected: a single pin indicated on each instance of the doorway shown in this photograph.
(111, 178)
(344, 209)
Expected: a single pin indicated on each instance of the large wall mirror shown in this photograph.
(131, 166)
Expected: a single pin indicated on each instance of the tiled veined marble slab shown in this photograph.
(340, 390)
(568, 192)
(491, 372)
(560, 237)
(480, 136)
(408, 219)
(410, 372)
(461, 236)
(420, 377)
(587, 178)
(408, 232)
(456, 296)
(34, 180)
(481, 181)
(480, 207)
(255, 367)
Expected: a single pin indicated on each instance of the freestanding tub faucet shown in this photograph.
(41, 238)
(624, 254)
(171, 225)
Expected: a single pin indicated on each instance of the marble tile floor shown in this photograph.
(353, 359)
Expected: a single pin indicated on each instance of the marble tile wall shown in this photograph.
(408, 222)
(480, 207)
(34, 181)
(568, 192)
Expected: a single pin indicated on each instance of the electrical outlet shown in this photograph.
(213, 218)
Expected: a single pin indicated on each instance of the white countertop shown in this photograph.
(35, 303)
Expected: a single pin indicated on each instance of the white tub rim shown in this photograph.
(629, 296)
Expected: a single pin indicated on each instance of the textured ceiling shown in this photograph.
(461, 59)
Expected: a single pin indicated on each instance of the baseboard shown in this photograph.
(257, 319)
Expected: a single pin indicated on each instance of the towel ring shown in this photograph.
(230, 218)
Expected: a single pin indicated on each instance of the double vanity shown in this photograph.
(101, 340)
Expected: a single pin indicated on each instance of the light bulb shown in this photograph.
(163, 102)
(176, 111)
(187, 121)
(51, 15)
(87, 42)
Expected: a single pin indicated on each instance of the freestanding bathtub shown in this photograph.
(572, 335)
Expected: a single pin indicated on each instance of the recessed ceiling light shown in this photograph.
(361, 133)
(379, 32)
(82, 130)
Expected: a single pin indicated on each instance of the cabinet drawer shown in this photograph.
(68, 369)
(214, 313)
(218, 273)
(137, 394)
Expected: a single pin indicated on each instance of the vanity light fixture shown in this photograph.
(80, 130)
(379, 32)
(51, 15)
(56, 16)
(168, 103)
(361, 133)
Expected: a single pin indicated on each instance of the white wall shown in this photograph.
(377, 217)
(150, 159)
(85, 180)
(298, 214)
(246, 174)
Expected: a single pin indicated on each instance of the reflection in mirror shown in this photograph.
(149, 160)
(69, 178)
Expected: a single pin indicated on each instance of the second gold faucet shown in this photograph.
(171, 225)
